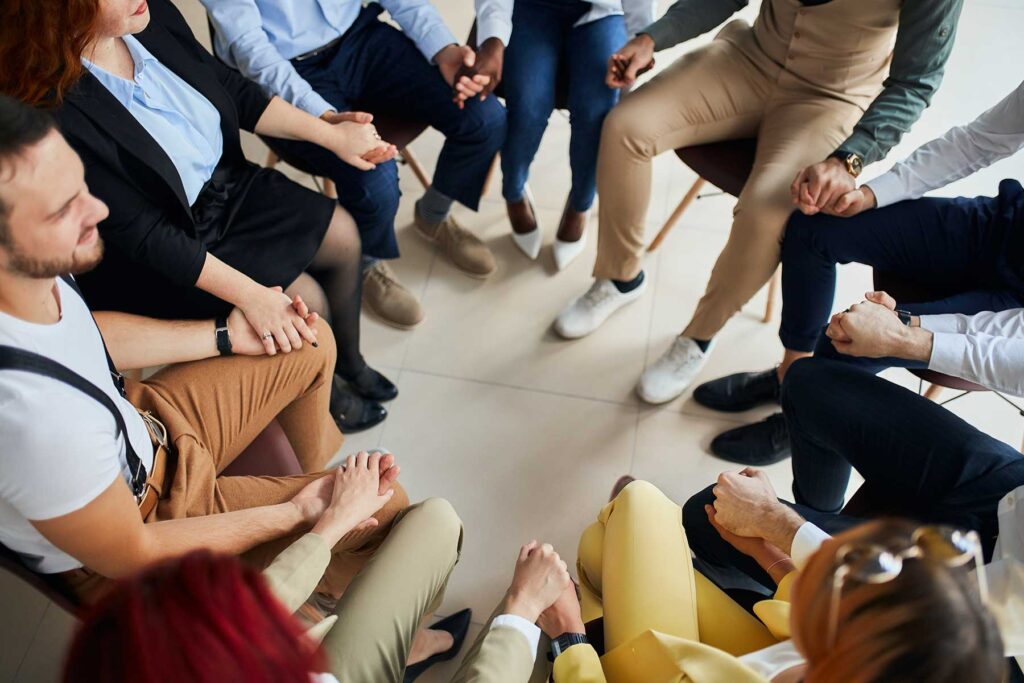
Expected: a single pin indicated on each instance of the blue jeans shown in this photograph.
(376, 68)
(918, 460)
(969, 251)
(546, 51)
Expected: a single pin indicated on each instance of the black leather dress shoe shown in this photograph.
(353, 413)
(761, 443)
(742, 391)
(458, 626)
(370, 384)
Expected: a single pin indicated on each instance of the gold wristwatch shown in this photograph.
(854, 164)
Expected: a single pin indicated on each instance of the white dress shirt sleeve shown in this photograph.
(639, 14)
(422, 24)
(517, 623)
(995, 135)
(806, 542)
(241, 41)
(493, 20)
(986, 348)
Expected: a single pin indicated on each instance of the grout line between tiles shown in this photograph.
(32, 640)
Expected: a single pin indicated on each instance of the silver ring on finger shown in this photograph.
(268, 336)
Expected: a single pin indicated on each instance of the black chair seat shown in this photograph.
(726, 165)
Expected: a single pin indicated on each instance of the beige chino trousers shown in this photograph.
(718, 92)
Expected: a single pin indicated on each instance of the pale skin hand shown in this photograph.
(540, 577)
(871, 329)
(456, 63)
(853, 202)
(355, 497)
(379, 154)
(635, 58)
(563, 616)
(819, 185)
(270, 311)
(245, 341)
(314, 499)
(770, 558)
(746, 505)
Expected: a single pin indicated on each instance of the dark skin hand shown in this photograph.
(490, 59)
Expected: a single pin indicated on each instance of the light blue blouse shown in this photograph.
(183, 122)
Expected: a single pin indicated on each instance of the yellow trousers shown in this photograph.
(635, 569)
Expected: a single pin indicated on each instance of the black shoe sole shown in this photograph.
(357, 427)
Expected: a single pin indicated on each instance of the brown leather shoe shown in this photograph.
(388, 299)
(465, 250)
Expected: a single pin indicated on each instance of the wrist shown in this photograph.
(645, 40)
(332, 527)
(914, 343)
(782, 523)
(560, 624)
(519, 605)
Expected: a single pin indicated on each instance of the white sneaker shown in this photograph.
(669, 376)
(588, 312)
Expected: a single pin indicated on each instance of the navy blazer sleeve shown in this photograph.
(248, 97)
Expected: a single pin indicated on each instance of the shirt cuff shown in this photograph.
(517, 623)
(948, 350)
(493, 27)
(863, 145)
(312, 103)
(806, 542)
(942, 322)
(888, 189)
(435, 42)
(663, 33)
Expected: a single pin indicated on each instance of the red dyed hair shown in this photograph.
(41, 46)
(202, 618)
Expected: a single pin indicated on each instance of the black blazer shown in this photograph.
(150, 218)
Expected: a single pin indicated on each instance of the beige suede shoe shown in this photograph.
(465, 250)
(388, 299)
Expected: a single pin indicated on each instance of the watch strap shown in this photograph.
(564, 642)
(905, 316)
(223, 338)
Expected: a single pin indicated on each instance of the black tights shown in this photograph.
(334, 288)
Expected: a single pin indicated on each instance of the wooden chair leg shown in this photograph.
(683, 205)
(330, 190)
(933, 392)
(414, 164)
(773, 297)
(490, 175)
(272, 159)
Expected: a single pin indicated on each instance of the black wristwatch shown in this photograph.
(854, 163)
(905, 317)
(223, 338)
(564, 642)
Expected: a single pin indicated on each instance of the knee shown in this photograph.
(326, 346)
(483, 124)
(444, 521)
(379, 197)
(695, 518)
(638, 494)
(342, 240)
(589, 556)
(799, 230)
(624, 128)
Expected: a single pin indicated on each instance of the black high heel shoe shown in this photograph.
(457, 625)
(370, 384)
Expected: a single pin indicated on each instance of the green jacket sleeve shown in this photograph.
(923, 43)
(687, 19)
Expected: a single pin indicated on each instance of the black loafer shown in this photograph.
(742, 391)
(370, 384)
(352, 413)
(457, 625)
(759, 444)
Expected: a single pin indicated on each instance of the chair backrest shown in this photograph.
(49, 586)
(726, 164)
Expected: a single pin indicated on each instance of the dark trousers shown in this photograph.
(969, 252)
(376, 68)
(916, 457)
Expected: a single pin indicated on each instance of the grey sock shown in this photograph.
(433, 207)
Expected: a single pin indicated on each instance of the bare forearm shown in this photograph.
(779, 527)
(137, 342)
(915, 343)
(282, 120)
(231, 533)
(225, 282)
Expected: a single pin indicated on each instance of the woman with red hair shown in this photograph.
(194, 228)
(208, 618)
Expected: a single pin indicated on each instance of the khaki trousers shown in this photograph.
(725, 90)
(213, 409)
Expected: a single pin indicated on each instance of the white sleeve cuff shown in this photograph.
(944, 322)
(435, 42)
(948, 351)
(493, 27)
(517, 623)
(312, 103)
(888, 189)
(806, 542)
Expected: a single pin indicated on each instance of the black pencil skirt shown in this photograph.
(253, 219)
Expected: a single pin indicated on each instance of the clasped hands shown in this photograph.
(827, 187)
(872, 329)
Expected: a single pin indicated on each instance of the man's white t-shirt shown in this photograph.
(59, 447)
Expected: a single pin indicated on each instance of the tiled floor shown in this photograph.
(525, 433)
